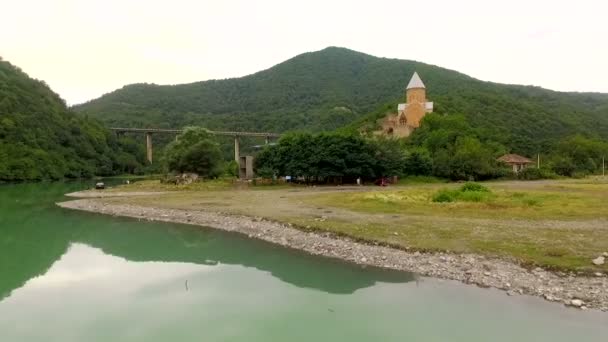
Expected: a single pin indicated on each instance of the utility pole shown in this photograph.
(603, 166)
(538, 161)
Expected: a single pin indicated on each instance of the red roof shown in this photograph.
(514, 159)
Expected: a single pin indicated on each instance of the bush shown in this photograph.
(231, 169)
(470, 186)
(469, 192)
(444, 196)
(266, 172)
(532, 173)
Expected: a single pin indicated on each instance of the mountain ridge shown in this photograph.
(334, 87)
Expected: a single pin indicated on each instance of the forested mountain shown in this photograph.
(337, 87)
(41, 139)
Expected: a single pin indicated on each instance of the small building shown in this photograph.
(517, 162)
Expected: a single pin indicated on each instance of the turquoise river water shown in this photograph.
(72, 276)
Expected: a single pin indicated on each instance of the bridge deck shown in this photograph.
(174, 131)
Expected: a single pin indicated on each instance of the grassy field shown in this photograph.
(542, 200)
(554, 224)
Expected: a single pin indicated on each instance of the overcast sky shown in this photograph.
(84, 49)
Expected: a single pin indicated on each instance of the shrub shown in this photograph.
(444, 196)
(475, 187)
(231, 169)
(532, 173)
(469, 192)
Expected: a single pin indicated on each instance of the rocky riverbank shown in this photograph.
(572, 290)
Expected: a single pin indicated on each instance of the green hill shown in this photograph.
(41, 139)
(337, 87)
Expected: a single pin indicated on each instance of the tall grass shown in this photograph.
(469, 192)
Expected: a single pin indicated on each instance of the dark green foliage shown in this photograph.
(327, 89)
(41, 139)
(578, 155)
(470, 186)
(444, 196)
(533, 173)
(330, 157)
(194, 150)
(418, 162)
(231, 169)
(563, 166)
(469, 192)
(454, 149)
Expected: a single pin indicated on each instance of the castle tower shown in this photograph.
(415, 91)
(409, 114)
(416, 106)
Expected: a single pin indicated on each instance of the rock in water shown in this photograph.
(576, 302)
(598, 261)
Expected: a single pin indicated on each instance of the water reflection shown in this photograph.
(72, 276)
(36, 233)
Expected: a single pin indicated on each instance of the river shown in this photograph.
(73, 276)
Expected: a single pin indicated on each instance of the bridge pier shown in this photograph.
(149, 131)
(237, 147)
(149, 146)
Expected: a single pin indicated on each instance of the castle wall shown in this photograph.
(414, 113)
(415, 110)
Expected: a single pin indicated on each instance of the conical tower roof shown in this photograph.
(415, 82)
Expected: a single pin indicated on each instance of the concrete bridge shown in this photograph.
(149, 131)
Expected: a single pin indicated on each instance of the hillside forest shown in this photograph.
(336, 93)
(337, 87)
(40, 138)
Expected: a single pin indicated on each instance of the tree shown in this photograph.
(40, 138)
(418, 162)
(472, 160)
(194, 150)
(453, 149)
(328, 157)
(579, 154)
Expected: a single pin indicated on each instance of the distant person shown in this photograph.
(359, 181)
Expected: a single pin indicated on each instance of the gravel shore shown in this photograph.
(573, 290)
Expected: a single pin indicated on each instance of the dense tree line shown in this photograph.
(41, 139)
(330, 157)
(328, 89)
(445, 146)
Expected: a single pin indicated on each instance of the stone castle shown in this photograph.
(409, 114)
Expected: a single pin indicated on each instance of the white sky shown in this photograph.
(83, 49)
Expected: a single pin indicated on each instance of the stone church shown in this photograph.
(409, 114)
